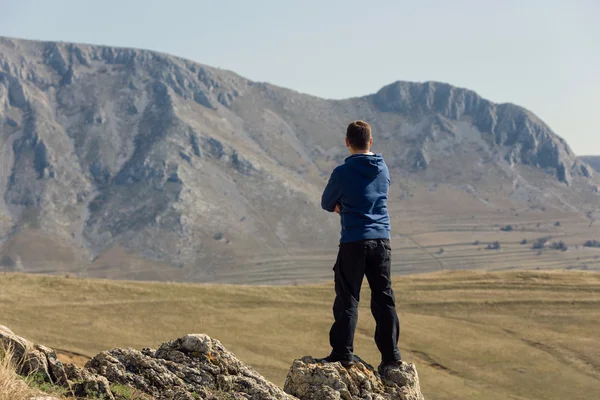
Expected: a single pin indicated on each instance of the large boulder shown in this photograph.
(310, 380)
(194, 366)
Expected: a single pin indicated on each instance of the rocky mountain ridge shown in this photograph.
(593, 161)
(170, 169)
(199, 367)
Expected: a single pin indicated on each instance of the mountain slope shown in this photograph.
(593, 161)
(155, 167)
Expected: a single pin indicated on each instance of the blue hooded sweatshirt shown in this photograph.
(360, 186)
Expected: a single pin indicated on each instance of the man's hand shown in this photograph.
(338, 208)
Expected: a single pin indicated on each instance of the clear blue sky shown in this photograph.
(541, 54)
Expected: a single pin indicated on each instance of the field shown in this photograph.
(428, 235)
(473, 335)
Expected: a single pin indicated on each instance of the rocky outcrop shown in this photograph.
(308, 379)
(187, 368)
(527, 139)
(31, 358)
(42, 362)
(199, 367)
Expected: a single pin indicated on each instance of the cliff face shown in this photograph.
(197, 169)
(509, 128)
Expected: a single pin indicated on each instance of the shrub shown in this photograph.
(592, 243)
(540, 243)
(524, 241)
(559, 246)
(507, 228)
(218, 236)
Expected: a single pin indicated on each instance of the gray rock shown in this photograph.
(55, 367)
(30, 359)
(308, 380)
(198, 366)
(34, 358)
(192, 365)
(42, 361)
(84, 383)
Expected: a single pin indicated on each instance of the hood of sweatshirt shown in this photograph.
(368, 165)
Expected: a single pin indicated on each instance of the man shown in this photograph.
(358, 191)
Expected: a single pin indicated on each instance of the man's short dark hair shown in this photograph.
(359, 135)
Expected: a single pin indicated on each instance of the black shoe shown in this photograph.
(331, 359)
(389, 364)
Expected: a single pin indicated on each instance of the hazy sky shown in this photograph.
(541, 54)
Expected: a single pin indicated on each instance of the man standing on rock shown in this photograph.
(358, 191)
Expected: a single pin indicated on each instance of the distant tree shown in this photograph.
(559, 246)
(524, 241)
(507, 228)
(592, 243)
(557, 223)
(218, 236)
(476, 243)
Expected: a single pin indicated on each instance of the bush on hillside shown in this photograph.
(540, 243)
(559, 246)
(592, 243)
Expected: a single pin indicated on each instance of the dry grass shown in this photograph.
(420, 227)
(473, 335)
(12, 386)
(16, 387)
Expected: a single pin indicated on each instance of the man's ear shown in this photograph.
(371, 141)
(347, 143)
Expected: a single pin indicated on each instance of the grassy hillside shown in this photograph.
(473, 335)
(428, 236)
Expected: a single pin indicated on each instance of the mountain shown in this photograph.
(126, 163)
(593, 161)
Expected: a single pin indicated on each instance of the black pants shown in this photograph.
(355, 260)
